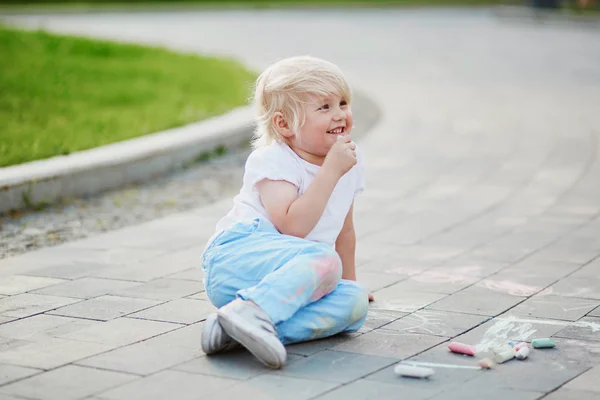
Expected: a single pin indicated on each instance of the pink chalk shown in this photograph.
(520, 345)
(462, 348)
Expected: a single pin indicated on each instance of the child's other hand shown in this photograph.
(371, 298)
(342, 156)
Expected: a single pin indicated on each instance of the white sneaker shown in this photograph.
(252, 327)
(214, 338)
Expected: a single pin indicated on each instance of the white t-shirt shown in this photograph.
(279, 162)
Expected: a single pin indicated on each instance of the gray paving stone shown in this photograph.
(199, 296)
(272, 386)
(10, 373)
(87, 288)
(7, 397)
(152, 355)
(105, 308)
(68, 270)
(523, 284)
(374, 281)
(42, 325)
(4, 319)
(378, 317)
(68, 382)
(555, 307)
(435, 282)
(336, 366)
(163, 289)
(586, 288)
(468, 390)
(394, 299)
(152, 268)
(589, 331)
(595, 312)
(589, 381)
(26, 304)
(438, 323)
(387, 343)
(477, 300)
(6, 343)
(50, 353)
(312, 347)
(16, 284)
(467, 267)
(369, 390)
(236, 364)
(164, 384)
(566, 394)
(182, 311)
(443, 379)
(120, 331)
(191, 274)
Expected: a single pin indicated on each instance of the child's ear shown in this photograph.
(282, 125)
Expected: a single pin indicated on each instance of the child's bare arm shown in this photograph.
(292, 214)
(345, 245)
(298, 215)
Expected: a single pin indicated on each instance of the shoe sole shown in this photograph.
(252, 340)
(207, 335)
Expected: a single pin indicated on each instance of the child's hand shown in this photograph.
(341, 157)
(371, 298)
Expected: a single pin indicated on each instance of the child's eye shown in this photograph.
(343, 103)
(324, 107)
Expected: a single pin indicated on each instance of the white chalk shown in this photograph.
(503, 355)
(413, 372)
(522, 353)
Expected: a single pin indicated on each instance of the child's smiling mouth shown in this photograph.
(337, 131)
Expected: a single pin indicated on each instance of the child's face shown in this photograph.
(326, 118)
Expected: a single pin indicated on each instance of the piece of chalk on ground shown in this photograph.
(462, 348)
(486, 363)
(520, 345)
(511, 343)
(413, 372)
(542, 343)
(504, 355)
(522, 353)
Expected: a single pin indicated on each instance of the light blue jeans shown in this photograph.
(295, 281)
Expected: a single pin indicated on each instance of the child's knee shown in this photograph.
(328, 272)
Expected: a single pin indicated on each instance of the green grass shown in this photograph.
(60, 94)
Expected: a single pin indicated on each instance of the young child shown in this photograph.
(280, 266)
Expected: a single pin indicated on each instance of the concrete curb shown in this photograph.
(111, 166)
(137, 160)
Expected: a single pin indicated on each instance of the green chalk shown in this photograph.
(542, 343)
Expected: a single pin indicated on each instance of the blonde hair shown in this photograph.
(287, 86)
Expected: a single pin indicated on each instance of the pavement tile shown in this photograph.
(566, 394)
(162, 289)
(191, 274)
(275, 387)
(182, 311)
(363, 389)
(105, 308)
(312, 347)
(391, 298)
(120, 331)
(236, 364)
(154, 354)
(589, 381)
(70, 382)
(595, 312)
(68, 270)
(10, 373)
(16, 284)
(468, 390)
(26, 304)
(437, 281)
(387, 343)
(438, 323)
(586, 288)
(165, 384)
(335, 366)
(7, 343)
(587, 328)
(477, 300)
(465, 268)
(51, 353)
(378, 317)
(555, 307)
(374, 280)
(42, 325)
(87, 288)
